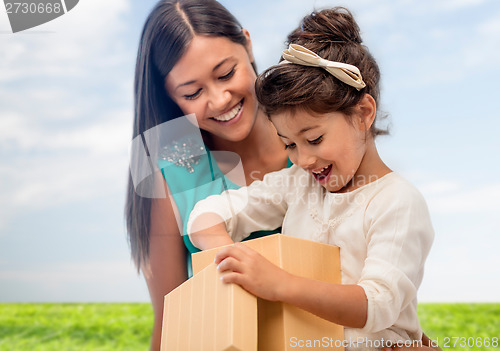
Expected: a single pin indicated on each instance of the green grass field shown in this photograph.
(103, 327)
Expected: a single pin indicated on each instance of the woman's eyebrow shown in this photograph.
(221, 63)
(186, 83)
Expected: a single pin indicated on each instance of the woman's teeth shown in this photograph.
(229, 115)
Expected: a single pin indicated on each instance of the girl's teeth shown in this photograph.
(321, 170)
(229, 115)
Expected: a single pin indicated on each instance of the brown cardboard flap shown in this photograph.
(205, 314)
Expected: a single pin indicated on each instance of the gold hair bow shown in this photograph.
(348, 74)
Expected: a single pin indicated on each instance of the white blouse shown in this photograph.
(383, 229)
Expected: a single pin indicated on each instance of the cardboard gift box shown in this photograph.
(205, 314)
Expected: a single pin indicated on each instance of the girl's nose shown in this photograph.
(305, 160)
(219, 100)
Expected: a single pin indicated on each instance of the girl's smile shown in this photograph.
(336, 149)
(322, 175)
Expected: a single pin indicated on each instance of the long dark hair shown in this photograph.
(168, 30)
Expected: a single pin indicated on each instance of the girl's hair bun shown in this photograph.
(334, 35)
(335, 25)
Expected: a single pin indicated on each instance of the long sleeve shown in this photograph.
(399, 237)
(260, 206)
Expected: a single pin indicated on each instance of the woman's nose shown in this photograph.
(219, 100)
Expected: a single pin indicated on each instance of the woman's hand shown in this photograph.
(253, 272)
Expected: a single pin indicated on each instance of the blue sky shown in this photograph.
(65, 128)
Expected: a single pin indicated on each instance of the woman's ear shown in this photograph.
(248, 46)
(367, 109)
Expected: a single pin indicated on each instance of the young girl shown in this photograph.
(322, 99)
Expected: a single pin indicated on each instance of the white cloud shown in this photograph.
(71, 164)
(379, 13)
(452, 5)
(111, 134)
(63, 137)
(68, 45)
(439, 187)
(460, 274)
(79, 136)
(451, 198)
(68, 282)
(423, 8)
(83, 272)
(483, 49)
(491, 26)
(47, 182)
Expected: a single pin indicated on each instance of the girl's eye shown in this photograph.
(290, 146)
(229, 75)
(193, 96)
(316, 141)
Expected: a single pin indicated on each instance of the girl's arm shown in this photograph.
(166, 268)
(209, 231)
(342, 304)
(234, 214)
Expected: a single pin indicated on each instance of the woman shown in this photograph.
(194, 58)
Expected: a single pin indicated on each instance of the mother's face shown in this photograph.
(215, 79)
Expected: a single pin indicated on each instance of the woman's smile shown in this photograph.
(231, 115)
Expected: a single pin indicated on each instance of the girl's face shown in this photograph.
(215, 79)
(328, 146)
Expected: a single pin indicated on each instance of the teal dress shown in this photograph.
(192, 180)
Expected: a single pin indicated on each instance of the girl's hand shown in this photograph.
(253, 272)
